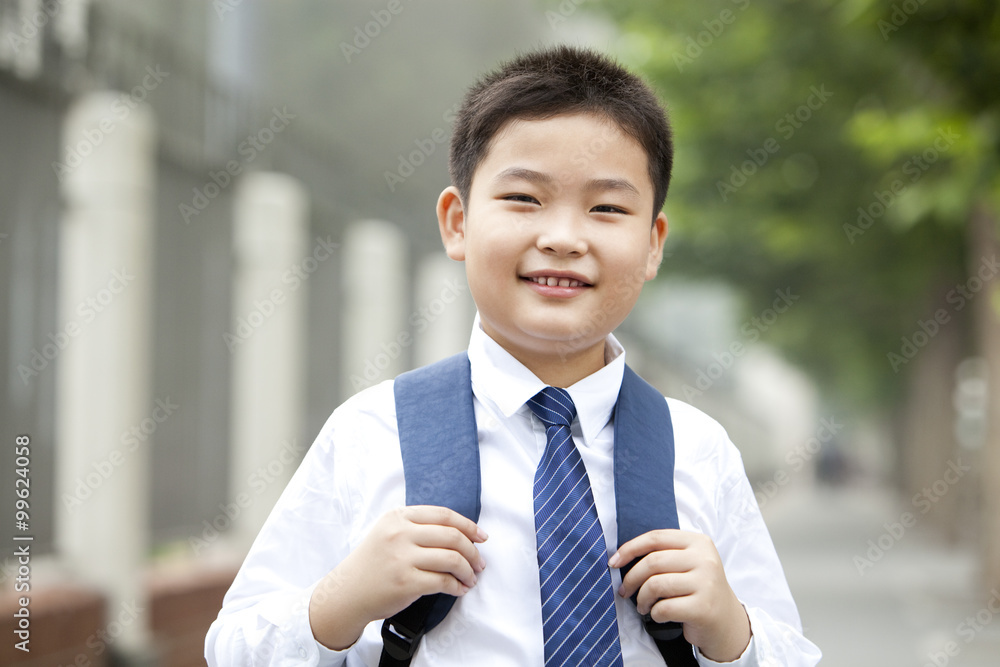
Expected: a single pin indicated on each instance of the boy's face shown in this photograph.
(556, 236)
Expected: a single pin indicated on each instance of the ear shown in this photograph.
(451, 222)
(657, 236)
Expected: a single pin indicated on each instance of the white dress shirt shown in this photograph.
(353, 474)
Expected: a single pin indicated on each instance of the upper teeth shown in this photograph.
(552, 281)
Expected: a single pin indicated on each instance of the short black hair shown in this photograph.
(561, 80)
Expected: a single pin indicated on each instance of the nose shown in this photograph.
(563, 234)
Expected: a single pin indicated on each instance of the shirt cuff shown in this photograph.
(302, 643)
(747, 659)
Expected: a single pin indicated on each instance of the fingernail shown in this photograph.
(481, 534)
(621, 590)
(614, 560)
(482, 564)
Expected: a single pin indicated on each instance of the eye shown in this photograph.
(526, 199)
(608, 208)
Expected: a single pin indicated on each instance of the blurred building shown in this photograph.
(172, 243)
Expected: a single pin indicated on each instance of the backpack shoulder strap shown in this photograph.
(440, 448)
(644, 460)
(644, 488)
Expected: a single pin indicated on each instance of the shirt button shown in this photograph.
(302, 653)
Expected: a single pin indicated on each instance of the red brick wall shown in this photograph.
(69, 625)
(65, 627)
(184, 605)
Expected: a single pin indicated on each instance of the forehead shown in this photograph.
(585, 144)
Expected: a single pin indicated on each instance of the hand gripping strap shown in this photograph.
(644, 488)
(440, 447)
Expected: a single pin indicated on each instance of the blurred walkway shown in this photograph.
(906, 608)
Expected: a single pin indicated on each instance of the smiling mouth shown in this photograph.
(554, 281)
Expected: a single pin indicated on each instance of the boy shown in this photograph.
(560, 165)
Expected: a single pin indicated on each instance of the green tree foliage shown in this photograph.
(821, 151)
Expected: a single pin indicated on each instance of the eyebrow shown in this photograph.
(595, 184)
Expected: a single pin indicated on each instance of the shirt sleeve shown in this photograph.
(265, 615)
(748, 659)
(755, 574)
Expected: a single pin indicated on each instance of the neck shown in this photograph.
(557, 369)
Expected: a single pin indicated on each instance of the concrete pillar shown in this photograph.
(376, 334)
(24, 37)
(104, 369)
(444, 309)
(271, 227)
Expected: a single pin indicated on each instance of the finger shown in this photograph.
(446, 561)
(447, 537)
(671, 561)
(440, 582)
(443, 516)
(654, 540)
(664, 587)
(677, 609)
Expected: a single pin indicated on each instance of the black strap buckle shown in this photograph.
(662, 631)
(399, 641)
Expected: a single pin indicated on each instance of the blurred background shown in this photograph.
(217, 223)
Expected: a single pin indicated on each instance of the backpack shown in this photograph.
(441, 467)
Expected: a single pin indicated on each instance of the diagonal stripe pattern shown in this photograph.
(578, 607)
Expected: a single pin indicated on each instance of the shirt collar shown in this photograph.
(499, 378)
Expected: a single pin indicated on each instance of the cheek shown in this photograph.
(631, 275)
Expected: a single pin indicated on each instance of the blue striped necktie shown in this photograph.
(578, 607)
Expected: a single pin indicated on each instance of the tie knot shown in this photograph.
(553, 406)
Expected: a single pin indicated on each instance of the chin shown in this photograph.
(563, 340)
